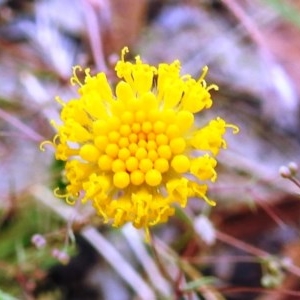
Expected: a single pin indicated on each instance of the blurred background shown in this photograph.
(248, 246)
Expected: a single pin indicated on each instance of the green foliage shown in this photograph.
(273, 275)
(5, 296)
(56, 169)
(196, 284)
(17, 254)
(286, 10)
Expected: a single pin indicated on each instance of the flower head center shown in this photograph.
(137, 146)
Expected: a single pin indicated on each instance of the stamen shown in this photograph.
(158, 218)
(87, 72)
(74, 79)
(55, 140)
(60, 101)
(138, 59)
(54, 124)
(209, 201)
(69, 201)
(99, 211)
(42, 144)
(123, 53)
(235, 129)
(66, 195)
(204, 72)
(214, 177)
(212, 87)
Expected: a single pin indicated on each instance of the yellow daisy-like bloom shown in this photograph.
(136, 151)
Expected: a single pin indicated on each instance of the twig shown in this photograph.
(233, 290)
(92, 12)
(30, 133)
(255, 251)
(246, 21)
(295, 181)
(241, 245)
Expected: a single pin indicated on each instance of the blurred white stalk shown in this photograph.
(116, 260)
(137, 245)
(38, 93)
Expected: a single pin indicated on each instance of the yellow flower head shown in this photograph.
(136, 150)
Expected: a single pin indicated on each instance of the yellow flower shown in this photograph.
(136, 150)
